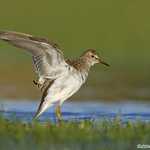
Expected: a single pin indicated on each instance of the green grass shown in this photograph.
(84, 135)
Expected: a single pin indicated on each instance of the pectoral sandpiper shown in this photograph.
(58, 78)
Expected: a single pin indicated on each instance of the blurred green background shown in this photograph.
(119, 30)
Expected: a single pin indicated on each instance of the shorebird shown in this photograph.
(58, 78)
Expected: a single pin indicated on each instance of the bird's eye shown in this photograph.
(92, 56)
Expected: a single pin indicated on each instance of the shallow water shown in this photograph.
(75, 111)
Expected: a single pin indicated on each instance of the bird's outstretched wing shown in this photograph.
(47, 57)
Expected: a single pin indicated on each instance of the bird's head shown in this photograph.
(92, 57)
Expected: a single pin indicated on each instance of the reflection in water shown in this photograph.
(75, 111)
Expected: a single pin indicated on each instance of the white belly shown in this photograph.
(63, 88)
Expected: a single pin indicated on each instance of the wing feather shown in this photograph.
(46, 87)
(46, 54)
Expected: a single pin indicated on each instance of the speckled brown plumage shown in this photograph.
(58, 78)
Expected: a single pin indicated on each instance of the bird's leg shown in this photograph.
(58, 113)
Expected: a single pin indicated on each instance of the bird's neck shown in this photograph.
(82, 65)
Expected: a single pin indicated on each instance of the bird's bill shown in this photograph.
(104, 63)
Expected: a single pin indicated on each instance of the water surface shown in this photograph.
(74, 111)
